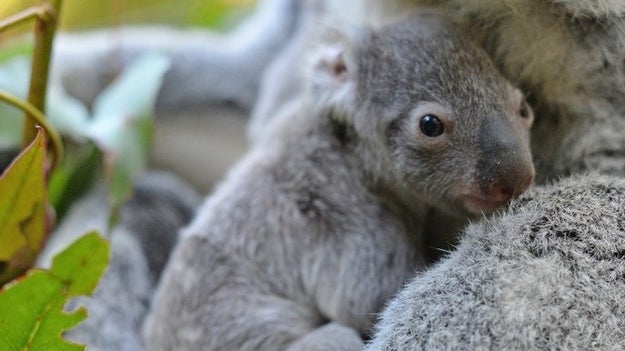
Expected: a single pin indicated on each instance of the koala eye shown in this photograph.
(525, 111)
(431, 126)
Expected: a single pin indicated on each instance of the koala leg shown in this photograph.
(209, 299)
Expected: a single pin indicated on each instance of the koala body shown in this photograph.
(324, 219)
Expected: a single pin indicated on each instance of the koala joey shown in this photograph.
(322, 221)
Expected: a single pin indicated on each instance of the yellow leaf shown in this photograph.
(22, 209)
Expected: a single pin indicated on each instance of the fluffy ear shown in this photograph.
(331, 63)
(334, 73)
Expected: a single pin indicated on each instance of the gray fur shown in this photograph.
(282, 81)
(567, 55)
(546, 274)
(492, 294)
(322, 221)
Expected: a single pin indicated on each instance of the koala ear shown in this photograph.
(334, 65)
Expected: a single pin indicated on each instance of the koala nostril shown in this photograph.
(504, 191)
(500, 192)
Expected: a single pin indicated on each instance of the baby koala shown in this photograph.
(323, 220)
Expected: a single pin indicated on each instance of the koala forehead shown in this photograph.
(428, 59)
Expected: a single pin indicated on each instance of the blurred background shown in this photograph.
(89, 14)
(211, 145)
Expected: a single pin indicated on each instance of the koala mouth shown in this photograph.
(484, 205)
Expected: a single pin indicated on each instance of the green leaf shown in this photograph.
(122, 122)
(22, 209)
(31, 309)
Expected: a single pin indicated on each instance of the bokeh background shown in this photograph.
(217, 138)
(89, 14)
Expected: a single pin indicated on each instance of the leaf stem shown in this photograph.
(45, 28)
(41, 11)
(40, 119)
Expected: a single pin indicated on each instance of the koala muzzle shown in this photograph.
(505, 169)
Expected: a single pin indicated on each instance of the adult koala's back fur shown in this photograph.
(547, 273)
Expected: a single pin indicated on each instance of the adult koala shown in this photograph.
(568, 56)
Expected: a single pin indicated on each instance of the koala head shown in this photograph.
(431, 114)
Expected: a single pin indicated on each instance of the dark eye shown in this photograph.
(525, 111)
(431, 126)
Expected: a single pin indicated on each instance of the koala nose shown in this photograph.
(505, 168)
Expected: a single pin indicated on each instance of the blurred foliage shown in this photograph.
(74, 177)
(14, 73)
(115, 134)
(86, 14)
(119, 124)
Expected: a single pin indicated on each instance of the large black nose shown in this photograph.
(505, 167)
